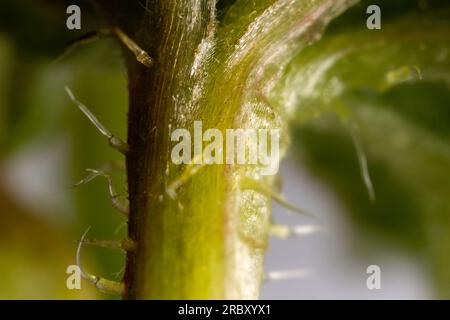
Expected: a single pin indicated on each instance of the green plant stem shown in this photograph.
(208, 242)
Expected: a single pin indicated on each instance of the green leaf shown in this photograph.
(393, 86)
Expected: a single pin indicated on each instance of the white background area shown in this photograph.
(335, 271)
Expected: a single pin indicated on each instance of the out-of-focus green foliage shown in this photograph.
(34, 256)
(393, 85)
(34, 108)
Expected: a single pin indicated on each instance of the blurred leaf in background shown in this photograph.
(46, 145)
(393, 86)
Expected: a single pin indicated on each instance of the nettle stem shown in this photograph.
(180, 241)
(208, 241)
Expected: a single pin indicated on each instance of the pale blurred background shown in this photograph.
(335, 258)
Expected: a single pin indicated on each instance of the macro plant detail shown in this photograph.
(196, 58)
(366, 106)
